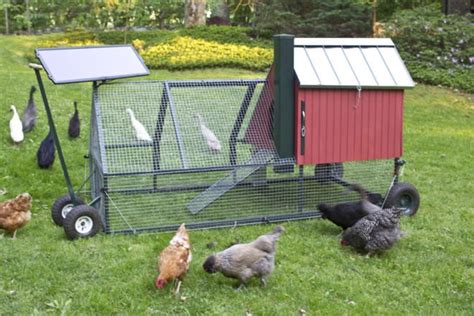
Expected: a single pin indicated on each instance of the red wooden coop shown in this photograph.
(345, 96)
(336, 101)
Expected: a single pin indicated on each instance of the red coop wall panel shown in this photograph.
(345, 125)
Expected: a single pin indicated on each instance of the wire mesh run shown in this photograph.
(209, 159)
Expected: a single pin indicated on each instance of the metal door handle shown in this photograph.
(303, 127)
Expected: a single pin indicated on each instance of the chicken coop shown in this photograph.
(222, 153)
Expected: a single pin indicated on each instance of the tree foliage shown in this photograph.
(317, 18)
(47, 15)
(386, 8)
(438, 49)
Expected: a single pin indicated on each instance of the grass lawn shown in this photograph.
(431, 271)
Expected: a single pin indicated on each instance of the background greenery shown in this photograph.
(431, 271)
(437, 48)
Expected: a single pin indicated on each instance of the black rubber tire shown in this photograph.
(404, 195)
(324, 172)
(81, 222)
(58, 211)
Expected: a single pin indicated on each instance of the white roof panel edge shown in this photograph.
(379, 65)
(306, 41)
(371, 87)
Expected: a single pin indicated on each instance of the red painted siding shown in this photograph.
(342, 125)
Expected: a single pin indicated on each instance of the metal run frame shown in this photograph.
(282, 165)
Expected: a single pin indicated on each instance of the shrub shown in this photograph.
(225, 35)
(437, 49)
(187, 53)
(64, 42)
(151, 37)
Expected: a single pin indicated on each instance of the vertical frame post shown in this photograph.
(70, 188)
(283, 121)
(238, 123)
(158, 132)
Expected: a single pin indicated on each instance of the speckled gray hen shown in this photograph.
(244, 261)
(375, 232)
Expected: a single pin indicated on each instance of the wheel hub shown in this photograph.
(66, 209)
(406, 202)
(84, 224)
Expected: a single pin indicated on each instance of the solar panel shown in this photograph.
(91, 63)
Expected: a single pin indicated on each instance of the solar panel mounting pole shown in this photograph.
(70, 188)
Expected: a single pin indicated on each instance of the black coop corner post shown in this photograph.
(70, 188)
(283, 112)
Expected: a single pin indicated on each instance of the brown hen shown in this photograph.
(15, 213)
(173, 262)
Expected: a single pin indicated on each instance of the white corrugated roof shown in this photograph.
(349, 62)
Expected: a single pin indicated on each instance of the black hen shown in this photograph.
(375, 232)
(74, 123)
(45, 153)
(31, 113)
(347, 214)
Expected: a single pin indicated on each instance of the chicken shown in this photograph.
(211, 140)
(244, 261)
(45, 153)
(15, 213)
(375, 232)
(174, 260)
(16, 127)
(140, 131)
(74, 123)
(347, 214)
(31, 113)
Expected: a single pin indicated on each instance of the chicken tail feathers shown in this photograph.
(359, 189)
(267, 242)
(277, 231)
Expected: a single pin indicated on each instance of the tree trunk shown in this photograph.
(221, 14)
(28, 16)
(194, 13)
(456, 6)
(5, 10)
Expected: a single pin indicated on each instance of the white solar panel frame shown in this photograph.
(91, 63)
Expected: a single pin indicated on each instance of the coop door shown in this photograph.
(345, 125)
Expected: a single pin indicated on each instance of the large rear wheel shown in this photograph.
(404, 195)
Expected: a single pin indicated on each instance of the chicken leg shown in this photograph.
(177, 287)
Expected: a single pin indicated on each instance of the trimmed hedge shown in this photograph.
(189, 53)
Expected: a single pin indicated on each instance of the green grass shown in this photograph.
(431, 271)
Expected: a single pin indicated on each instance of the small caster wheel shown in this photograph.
(404, 195)
(82, 221)
(326, 172)
(61, 207)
